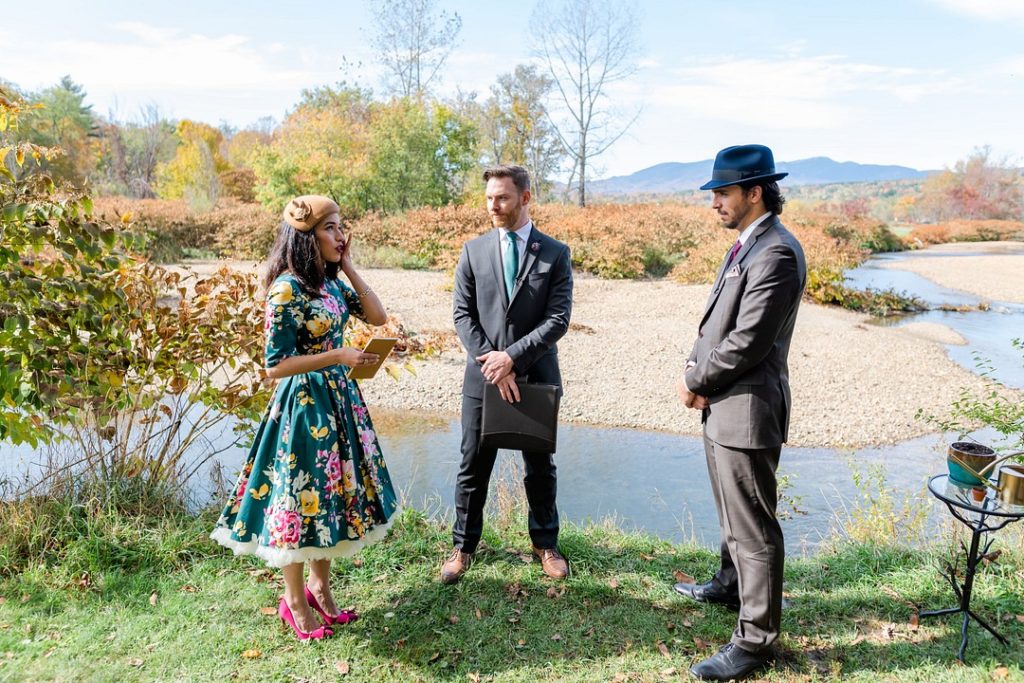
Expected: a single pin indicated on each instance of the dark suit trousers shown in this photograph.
(474, 478)
(753, 551)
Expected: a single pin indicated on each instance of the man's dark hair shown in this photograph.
(770, 192)
(520, 177)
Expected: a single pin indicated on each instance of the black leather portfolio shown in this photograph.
(528, 425)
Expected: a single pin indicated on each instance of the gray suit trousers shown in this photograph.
(753, 551)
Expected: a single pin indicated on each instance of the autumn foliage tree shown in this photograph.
(978, 187)
(367, 155)
(193, 174)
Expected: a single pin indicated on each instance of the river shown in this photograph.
(657, 482)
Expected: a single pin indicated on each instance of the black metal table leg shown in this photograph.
(964, 593)
(983, 515)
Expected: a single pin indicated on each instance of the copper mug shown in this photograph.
(1011, 484)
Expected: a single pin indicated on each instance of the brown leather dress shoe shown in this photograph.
(455, 566)
(552, 562)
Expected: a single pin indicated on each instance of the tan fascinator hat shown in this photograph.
(303, 213)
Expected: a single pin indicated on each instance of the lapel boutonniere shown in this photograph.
(535, 247)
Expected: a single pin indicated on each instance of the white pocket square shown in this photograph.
(733, 272)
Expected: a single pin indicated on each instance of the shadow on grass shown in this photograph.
(849, 612)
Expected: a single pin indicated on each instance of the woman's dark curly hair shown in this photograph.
(299, 254)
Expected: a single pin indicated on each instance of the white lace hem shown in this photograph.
(280, 557)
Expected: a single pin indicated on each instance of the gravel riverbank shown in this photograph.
(854, 383)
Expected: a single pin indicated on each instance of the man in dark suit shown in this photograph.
(512, 302)
(737, 375)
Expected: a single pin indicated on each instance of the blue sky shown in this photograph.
(913, 82)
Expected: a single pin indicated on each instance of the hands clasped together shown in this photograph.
(690, 399)
(497, 369)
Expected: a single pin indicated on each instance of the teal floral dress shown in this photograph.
(315, 485)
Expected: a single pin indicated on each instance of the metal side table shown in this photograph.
(981, 517)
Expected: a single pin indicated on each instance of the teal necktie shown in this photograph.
(511, 263)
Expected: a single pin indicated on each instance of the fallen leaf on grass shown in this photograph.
(1000, 673)
(554, 592)
(668, 672)
(268, 611)
(647, 557)
(670, 626)
(189, 588)
(613, 583)
(663, 649)
(342, 667)
(479, 614)
(357, 562)
(400, 643)
(522, 642)
(556, 637)
(701, 644)
(1020, 618)
(2, 599)
(136, 662)
(515, 590)
(152, 598)
(434, 657)
(915, 621)
(454, 619)
(475, 677)
(49, 652)
(683, 577)
(252, 654)
(687, 623)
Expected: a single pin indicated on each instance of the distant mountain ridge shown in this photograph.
(674, 177)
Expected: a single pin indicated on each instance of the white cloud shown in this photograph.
(192, 73)
(996, 10)
(789, 93)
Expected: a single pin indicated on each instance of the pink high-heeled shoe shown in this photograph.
(345, 616)
(286, 616)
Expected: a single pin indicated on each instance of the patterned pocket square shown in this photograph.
(733, 272)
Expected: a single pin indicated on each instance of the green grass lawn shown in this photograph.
(196, 615)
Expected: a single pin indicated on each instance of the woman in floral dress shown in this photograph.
(314, 486)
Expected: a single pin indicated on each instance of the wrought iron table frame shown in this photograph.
(981, 517)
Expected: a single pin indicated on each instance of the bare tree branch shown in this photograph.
(586, 45)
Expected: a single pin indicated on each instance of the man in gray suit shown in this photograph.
(512, 302)
(737, 375)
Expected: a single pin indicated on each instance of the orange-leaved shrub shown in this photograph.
(966, 231)
(232, 229)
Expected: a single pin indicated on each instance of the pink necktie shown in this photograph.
(732, 254)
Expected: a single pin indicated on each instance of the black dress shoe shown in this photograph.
(708, 592)
(731, 662)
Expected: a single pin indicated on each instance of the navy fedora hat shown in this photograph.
(743, 163)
